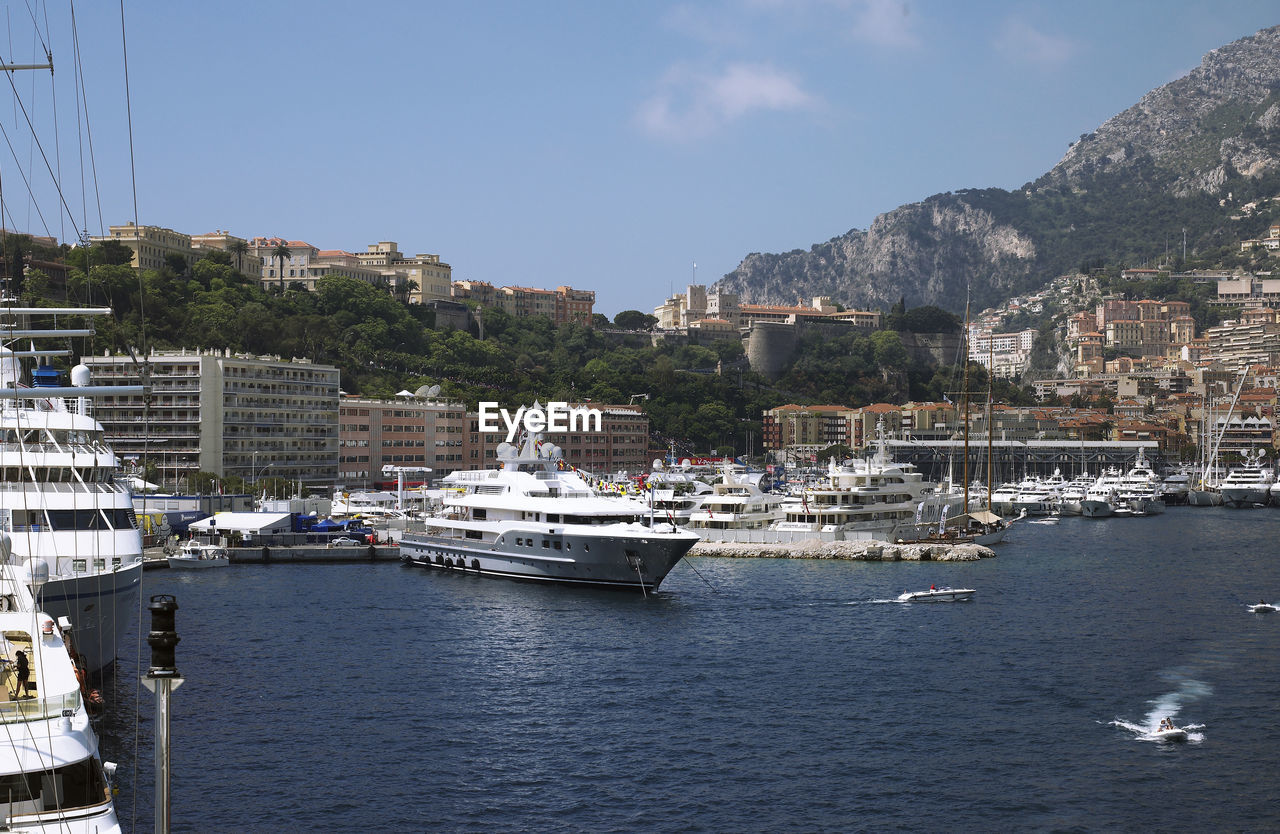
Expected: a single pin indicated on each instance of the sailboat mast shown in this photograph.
(991, 370)
(964, 400)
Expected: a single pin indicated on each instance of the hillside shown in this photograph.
(1200, 153)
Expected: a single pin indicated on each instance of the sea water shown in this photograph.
(748, 695)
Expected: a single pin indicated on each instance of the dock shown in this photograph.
(291, 554)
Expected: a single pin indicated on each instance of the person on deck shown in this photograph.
(23, 671)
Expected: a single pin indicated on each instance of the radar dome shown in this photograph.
(37, 572)
(657, 464)
(80, 376)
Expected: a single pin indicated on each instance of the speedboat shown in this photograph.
(938, 595)
(1169, 733)
(1262, 608)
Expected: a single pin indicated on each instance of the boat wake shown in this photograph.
(1188, 691)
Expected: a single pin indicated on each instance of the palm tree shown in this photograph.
(281, 253)
(239, 249)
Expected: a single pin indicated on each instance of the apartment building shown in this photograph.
(307, 264)
(413, 434)
(621, 444)
(808, 426)
(151, 245)
(562, 305)
(1237, 344)
(226, 414)
(419, 279)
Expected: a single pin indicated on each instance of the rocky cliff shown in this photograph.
(1201, 152)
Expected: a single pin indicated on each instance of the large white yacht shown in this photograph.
(59, 497)
(1138, 490)
(1247, 485)
(1100, 498)
(874, 498)
(537, 518)
(1071, 499)
(675, 494)
(735, 504)
(52, 774)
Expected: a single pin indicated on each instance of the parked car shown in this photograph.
(345, 541)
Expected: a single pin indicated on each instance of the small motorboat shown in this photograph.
(199, 555)
(935, 594)
(1263, 608)
(1169, 734)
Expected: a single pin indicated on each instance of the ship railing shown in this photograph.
(37, 709)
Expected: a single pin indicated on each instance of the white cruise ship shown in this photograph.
(60, 501)
(54, 779)
(536, 518)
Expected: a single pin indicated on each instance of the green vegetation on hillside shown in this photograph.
(698, 394)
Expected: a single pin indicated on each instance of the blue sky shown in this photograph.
(605, 145)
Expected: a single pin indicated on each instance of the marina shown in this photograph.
(769, 679)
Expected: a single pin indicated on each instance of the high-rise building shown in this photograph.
(225, 414)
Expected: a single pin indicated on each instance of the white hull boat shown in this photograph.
(198, 556)
(1174, 734)
(938, 595)
(63, 506)
(54, 776)
(1263, 608)
(536, 518)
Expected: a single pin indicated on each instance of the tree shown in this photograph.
(238, 249)
(281, 254)
(634, 320)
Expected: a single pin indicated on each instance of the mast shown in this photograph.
(964, 401)
(991, 370)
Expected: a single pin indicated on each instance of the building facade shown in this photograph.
(408, 433)
(225, 414)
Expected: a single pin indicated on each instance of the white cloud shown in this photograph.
(1024, 44)
(885, 23)
(691, 104)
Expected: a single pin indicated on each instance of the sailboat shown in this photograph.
(976, 526)
(1205, 492)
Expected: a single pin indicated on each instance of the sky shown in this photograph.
(625, 148)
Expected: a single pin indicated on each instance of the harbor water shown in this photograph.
(748, 695)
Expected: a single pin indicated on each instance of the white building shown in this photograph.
(226, 414)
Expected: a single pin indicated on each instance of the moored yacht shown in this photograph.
(736, 503)
(1100, 499)
(675, 494)
(1138, 489)
(59, 497)
(874, 498)
(1071, 499)
(537, 518)
(1248, 485)
(50, 765)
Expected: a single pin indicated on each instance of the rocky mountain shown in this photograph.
(1200, 153)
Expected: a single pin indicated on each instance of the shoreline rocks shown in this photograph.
(864, 551)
